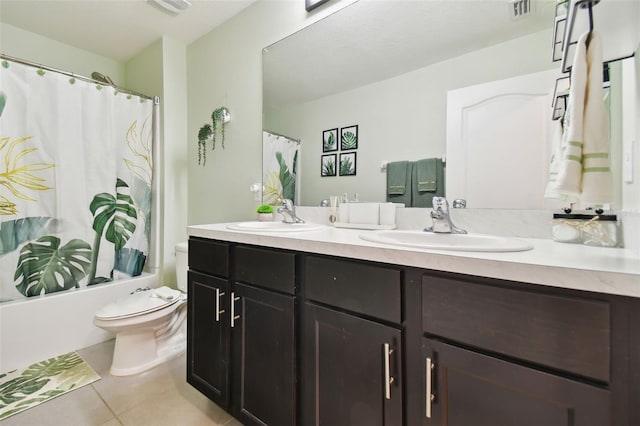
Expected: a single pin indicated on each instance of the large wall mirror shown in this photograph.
(388, 67)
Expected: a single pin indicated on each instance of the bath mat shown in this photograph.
(27, 387)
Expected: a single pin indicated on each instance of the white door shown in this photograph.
(498, 142)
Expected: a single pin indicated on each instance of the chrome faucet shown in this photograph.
(441, 219)
(288, 210)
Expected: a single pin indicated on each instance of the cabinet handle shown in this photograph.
(218, 311)
(234, 317)
(388, 380)
(430, 396)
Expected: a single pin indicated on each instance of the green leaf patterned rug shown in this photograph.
(27, 387)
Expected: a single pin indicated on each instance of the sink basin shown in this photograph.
(256, 226)
(453, 242)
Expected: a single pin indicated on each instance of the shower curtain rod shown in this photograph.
(70, 74)
(282, 136)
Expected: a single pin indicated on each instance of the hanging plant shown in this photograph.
(219, 118)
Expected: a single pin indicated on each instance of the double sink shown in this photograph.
(415, 239)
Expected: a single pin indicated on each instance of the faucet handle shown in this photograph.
(286, 203)
(440, 203)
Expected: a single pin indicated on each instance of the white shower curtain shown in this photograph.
(280, 168)
(75, 182)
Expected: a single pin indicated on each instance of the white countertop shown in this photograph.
(574, 266)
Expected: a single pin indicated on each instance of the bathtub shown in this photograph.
(38, 328)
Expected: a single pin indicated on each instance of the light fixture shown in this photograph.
(173, 7)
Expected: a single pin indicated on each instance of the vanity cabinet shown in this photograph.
(241, 335)
(263, 336)
(286, 338)
(352, 356)
(207, 327)
(497, 355)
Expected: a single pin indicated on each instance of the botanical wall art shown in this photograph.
(330, 140)
(349, 138)
(348, 164)
(328, 165)
(344, 139)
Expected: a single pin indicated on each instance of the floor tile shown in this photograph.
(158, 397)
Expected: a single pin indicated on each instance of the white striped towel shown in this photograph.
(596, 170)
(569, 178)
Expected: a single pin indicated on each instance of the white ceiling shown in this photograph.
(116, 29)
(372, 40)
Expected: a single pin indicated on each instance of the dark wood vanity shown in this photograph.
(279, 337)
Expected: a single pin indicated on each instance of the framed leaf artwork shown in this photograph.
(349, 138)
(347, 165)
(330, 140)
(328, 165)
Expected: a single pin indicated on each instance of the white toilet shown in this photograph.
(149, 324)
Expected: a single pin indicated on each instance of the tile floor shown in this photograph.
(159, 397)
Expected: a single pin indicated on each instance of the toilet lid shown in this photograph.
(138, 303)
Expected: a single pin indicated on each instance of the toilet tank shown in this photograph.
(182, 265)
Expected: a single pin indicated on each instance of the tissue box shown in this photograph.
(364, 213)
(388, 213)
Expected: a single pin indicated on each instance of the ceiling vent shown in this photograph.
(520, 8)
(174, 7)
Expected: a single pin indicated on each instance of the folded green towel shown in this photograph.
(427, 174)
(420, 198)
(399, 182)
(397, 177)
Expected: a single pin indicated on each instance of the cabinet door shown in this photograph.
(208, 337)
(352, 372)
(469, 388)
(263, 333)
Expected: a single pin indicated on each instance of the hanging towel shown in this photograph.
(399, 182)
(557, 141)
(596, 170)
(569, 177)
(427, 175)
(422, 172)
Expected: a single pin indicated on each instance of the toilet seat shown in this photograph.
(135, 304)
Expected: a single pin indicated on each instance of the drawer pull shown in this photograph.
(429, 392)
(218, 311)
(234, 317)
(388, 379)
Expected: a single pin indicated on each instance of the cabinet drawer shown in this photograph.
(267, 268)
(565, 333)
(209, 256)
(361, 288)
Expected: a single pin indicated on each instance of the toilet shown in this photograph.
(149, 324)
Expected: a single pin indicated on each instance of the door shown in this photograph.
(208, 337)
(469, 388)
(504, 164)
(263, 334)
(353, 370)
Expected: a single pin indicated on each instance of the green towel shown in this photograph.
(424, 197)
(399, 182)
(427, 174)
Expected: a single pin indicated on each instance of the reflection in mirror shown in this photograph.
(387, 67)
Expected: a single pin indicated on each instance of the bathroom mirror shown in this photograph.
(387, 67)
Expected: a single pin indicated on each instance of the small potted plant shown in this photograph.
(265, 213)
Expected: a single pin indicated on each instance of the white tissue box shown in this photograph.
(364, 213)
(388, 213)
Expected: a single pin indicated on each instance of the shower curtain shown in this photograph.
(75, 182)
(280, 168)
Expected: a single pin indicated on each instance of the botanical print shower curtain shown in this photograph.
(75, 182)
(280, 168)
